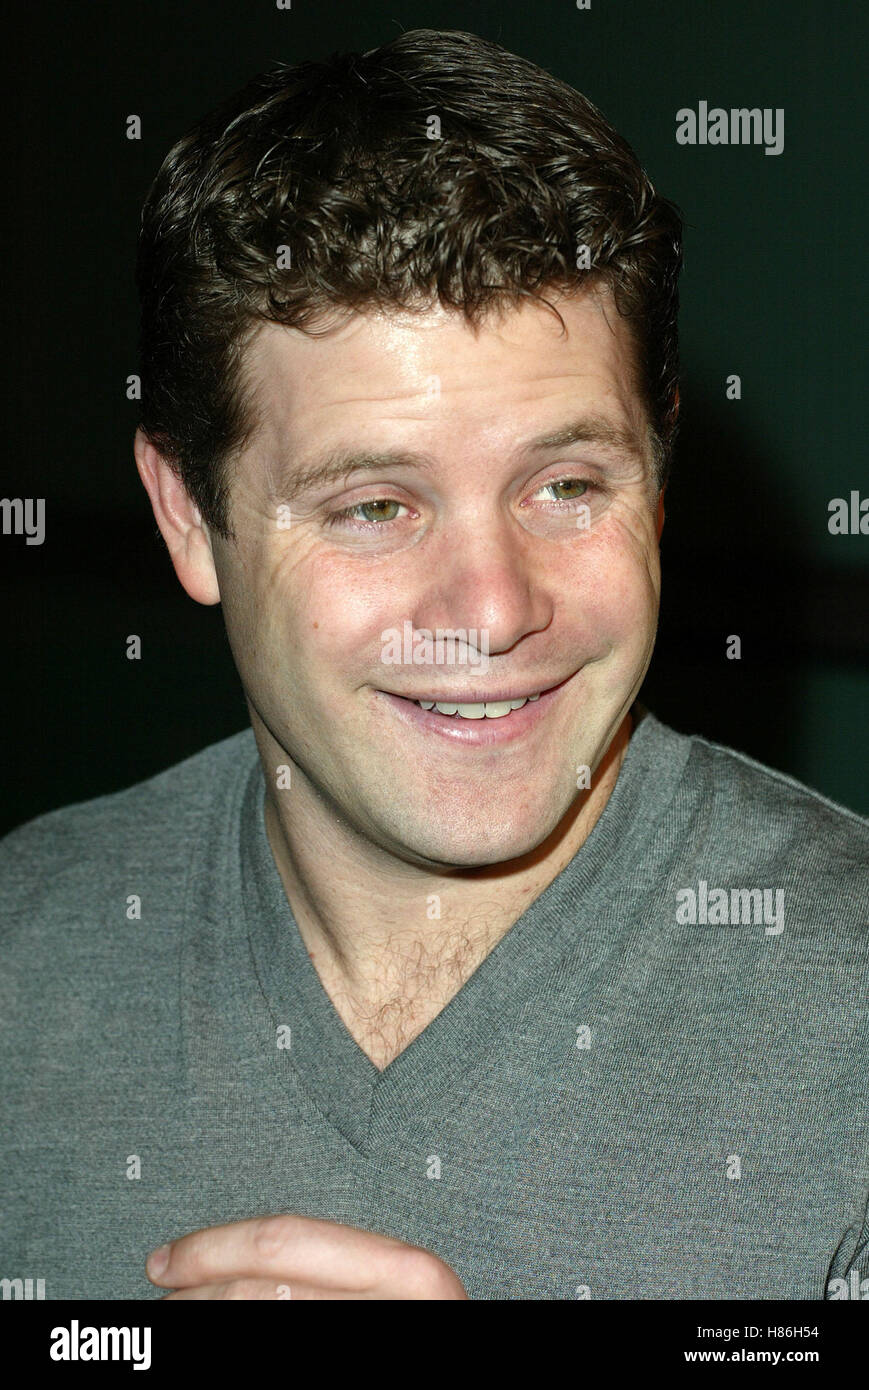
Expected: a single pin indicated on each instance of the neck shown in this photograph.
(393, 941)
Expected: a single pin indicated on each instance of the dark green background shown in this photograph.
(773, 289)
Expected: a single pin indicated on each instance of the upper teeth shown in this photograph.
(493, 709)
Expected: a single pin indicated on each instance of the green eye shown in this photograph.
(367, 513)
(382, 509)
(567, 488)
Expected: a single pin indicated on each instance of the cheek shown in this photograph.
(338, 613)
(611, 587)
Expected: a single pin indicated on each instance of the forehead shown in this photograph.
(431, 372)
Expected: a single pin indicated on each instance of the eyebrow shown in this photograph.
(339, 464)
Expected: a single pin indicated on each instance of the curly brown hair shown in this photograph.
(335, 162)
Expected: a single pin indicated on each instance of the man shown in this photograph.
(459, 974)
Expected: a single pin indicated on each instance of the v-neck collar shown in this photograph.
(367, 1105)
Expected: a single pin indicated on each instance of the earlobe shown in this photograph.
(180, 523)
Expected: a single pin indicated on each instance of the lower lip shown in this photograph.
(475, 733)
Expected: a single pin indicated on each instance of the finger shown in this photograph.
(286, 1247)
(251, 1289)
(234, 1289)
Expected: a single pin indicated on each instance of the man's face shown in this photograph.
(542, 557)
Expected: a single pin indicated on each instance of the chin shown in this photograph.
(478, 845)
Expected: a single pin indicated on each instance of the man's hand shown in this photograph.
(285, 1257)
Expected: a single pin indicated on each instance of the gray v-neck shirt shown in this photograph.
(620, 1103)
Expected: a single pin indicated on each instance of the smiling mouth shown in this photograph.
(489, 709)
(495, 707)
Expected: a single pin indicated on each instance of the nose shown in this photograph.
(486, 578)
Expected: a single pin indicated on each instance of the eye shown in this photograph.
(565, 489)
(371, 513)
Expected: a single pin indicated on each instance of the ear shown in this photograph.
(660, 522)
(180, 523)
